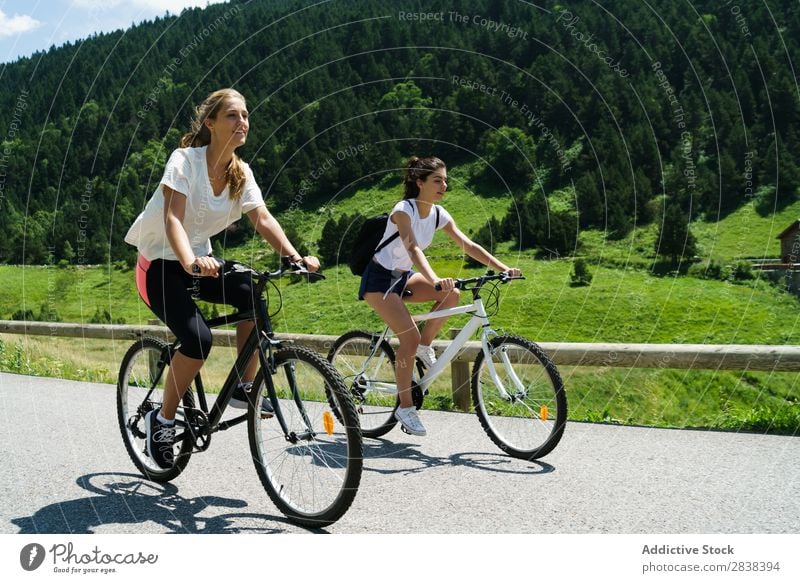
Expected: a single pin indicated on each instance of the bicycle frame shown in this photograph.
(479, 320)
(261, 339)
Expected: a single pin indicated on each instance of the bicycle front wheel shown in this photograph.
(519, 397)
(370, 380)
(310, 470)
(140, 389)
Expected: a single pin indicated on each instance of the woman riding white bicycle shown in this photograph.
(389, 276)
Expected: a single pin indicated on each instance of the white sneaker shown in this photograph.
(427, 355)
(409, 419)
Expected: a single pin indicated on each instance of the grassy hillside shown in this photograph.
(621, 305)
(742, 234)
(626, 302)
(746, 233)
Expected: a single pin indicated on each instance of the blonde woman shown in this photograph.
(204, 189)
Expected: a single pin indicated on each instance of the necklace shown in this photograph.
(218, 177)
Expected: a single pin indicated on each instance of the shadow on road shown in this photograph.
(378, 449)
(130, 499)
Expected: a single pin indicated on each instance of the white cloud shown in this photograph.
(16, 24)
(154, 6)
(174, 6)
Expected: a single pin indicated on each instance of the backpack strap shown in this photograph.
(387, 241)
(436, 228)
(397, 234)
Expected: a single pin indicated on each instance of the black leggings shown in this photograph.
(171, 292)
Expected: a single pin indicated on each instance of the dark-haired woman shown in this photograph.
(205, 188)
(390, 273)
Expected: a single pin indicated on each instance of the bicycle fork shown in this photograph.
(506, 361)
(270, 369)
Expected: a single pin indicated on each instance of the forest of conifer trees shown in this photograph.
(638, 106)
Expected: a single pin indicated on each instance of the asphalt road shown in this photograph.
(65, 470)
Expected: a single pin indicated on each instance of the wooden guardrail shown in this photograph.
(677, 356)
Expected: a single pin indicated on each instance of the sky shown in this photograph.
(27, 26)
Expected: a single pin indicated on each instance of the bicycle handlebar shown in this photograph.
(287, 267)
(490, 275)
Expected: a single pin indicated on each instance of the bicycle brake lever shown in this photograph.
(457, 284)
(311, 275)
(299, 268)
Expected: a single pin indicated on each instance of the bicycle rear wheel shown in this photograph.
(372, 384)
(144, 367)
(312, 471)
(528, 421)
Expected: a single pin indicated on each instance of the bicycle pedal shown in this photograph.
(404, 430)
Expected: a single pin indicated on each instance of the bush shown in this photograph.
(338, 237)
(24, 315)
(104, 317)
(711, 270)
(783, 419)
(580, 273)
(48, 314)
(742, 271)
(531, 224)
(487, 237)
(511, 155)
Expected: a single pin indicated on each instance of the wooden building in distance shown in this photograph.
(790, 244)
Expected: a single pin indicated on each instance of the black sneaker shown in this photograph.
(242, 395)
(160, 440)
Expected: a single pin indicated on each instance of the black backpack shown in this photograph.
(368, 242)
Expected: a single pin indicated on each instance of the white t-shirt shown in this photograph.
(395, 255)
(206, 214)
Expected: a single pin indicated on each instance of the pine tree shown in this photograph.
(675, 239)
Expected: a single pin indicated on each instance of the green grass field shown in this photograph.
(626, 302)
(621, 305)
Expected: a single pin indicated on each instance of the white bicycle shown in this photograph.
(517, 392)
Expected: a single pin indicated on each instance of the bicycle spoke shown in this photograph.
(140, 389)
(312, 479)
(370, 379)
(529, 421)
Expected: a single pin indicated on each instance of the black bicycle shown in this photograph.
(308, 459)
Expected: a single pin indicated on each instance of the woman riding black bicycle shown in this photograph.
(205, 188)
(390, 273)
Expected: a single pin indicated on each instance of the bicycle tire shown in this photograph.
(375, 410)
(144, 358)
(312, 480)
(531, 424)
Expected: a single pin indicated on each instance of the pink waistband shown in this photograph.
(142, 265)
